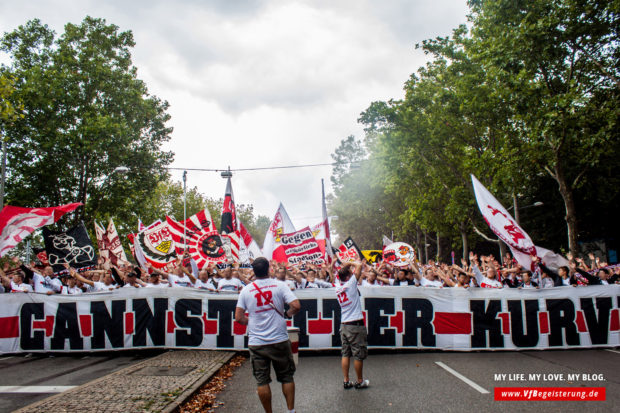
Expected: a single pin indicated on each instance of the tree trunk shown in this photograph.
(417, 240)
(438, 247)
(569, 203)
(502, 250)
(425, 248)
(465, 244)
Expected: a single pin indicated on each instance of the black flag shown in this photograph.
(72, 247)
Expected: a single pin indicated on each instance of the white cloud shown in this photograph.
(262, 83)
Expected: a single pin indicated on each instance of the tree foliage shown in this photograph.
(85, 114)
(526, 99)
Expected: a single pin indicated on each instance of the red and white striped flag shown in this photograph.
(16, 223)
(199, 235)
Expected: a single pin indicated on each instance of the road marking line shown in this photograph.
(6, 358)
(463, 378)
(613, 351)
(35, 389)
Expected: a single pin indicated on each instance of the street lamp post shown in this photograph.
(3, 171)
(184, 209)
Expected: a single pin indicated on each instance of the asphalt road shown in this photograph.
(414, 382)
(27, 379)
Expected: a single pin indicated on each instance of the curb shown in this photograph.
(170, 408)
(191, 390)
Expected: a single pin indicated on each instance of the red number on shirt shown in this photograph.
(342, 297)
(266, 296)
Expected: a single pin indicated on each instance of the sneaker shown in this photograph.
(364, 384)
(348, 384)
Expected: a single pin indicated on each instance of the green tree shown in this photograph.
(85, 114)
(555, 64)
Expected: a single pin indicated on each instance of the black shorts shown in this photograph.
(280, 354)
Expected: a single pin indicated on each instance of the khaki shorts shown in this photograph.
(354, 341)
(280, 354)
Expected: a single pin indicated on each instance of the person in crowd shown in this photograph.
(526, 277)
(205, 281)
(430, 277)
(353, 333)
(489, 278)
(15, 284)
(282, 274)
(264, 300)
(231, 281)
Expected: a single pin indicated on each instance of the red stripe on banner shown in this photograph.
(320, 326)
(452, 323)
(289, 323)
(543, 322)
(210, 326)
(86, 325)
(128, 323)
(239, 329)
(170, 325)
(365, 322)
(9, 327)
(581, 322)
(47, 325)
(396, 321)
(614, 322)
(505, 322)
(295, 347)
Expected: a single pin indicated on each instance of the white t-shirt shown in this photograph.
(546, 283)
(74, 290)
(365, 283)
(209, 285)
(315, 284)
(489, 283)
(349, 300)
(291, 284)
(46, 284)
(265, 325)
(179, 281)
(234, 284)
(425, 282)
(98, 286)
(127, 285)
(158, 285)
(484, 281)
(20, 288)
(398, 283)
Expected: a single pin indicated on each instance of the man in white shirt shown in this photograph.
(281, 275)
(264, 300)
(352, 329)
(489, 278)
(229, 283)
(17, 283)
(203, 282)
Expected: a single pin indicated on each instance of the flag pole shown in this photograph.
(184, 210)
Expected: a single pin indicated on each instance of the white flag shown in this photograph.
(505, 227)
(281, 224)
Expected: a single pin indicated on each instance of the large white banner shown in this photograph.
(396, 317)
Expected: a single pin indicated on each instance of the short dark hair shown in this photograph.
(261, 267)
(344, 272)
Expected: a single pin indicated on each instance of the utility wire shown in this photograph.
(270, 167)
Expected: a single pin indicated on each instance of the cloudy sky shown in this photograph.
(255, 83)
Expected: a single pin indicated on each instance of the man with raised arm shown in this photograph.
(352, 329)
(264, 300)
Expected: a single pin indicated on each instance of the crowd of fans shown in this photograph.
(477, 272)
